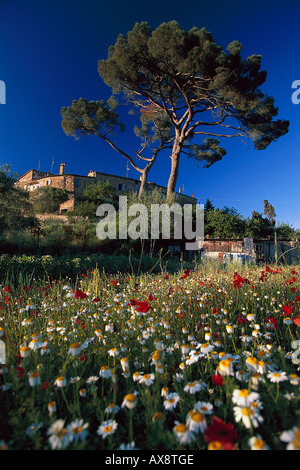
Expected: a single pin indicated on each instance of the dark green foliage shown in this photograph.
(269, 212)
(99, 192)
(208, 152)
(208, 206)
(228, 223)
(89, 117)
(7, 179)
(224, 223)
(287, 232)
(259, 226)
(47, 199)
(95, 194)
(15, 209)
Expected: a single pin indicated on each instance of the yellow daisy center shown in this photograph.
(215, 445)
(77, 430)
(247, 412)
(181, 428)
(252, 360)
(198, 417)
(244, 392)
(259, 443)
(130, 397)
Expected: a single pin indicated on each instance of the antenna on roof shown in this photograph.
(39, 165)
(52, 164)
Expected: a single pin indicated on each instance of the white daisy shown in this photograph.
(171, 401)
(292, 438)
(59, 438)
(77, 430)
(244, 397)
(277, 377)
(257, 443)
(107, 428)
(250, 417)
(204, 407)
(183, 434)
(196, 421)
(147, 379)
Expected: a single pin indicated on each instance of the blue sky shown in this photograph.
(49, 51)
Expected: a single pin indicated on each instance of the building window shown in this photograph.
(48, 183)
(120, 187)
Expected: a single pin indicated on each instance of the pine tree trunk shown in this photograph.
(173, 173)
(144, 175)
(143, 182)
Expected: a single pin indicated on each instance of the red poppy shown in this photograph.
(186, 274)
(241, 319)
(296, 320)
(143, 307)
(239, 280)
(220, 431)
(80, 295)
(45, 385)
(287, 310)
(297, 299)
(96, 300)
(218, 380)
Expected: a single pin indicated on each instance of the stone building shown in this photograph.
(76, 184)
(251, 250)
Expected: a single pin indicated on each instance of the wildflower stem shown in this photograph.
(289, 328)
(130, 425)
(277, 393)
(66, 401)
(234, 347)
(77, 399)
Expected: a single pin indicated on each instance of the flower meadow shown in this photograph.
(203, 359)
